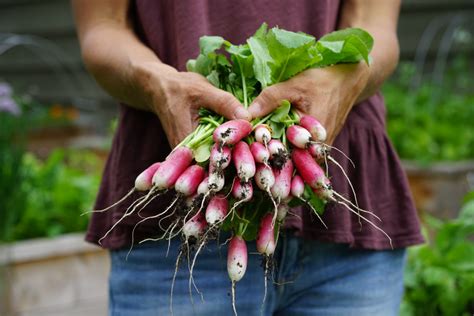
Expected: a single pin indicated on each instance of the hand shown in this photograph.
(177, 96)
(328, 94)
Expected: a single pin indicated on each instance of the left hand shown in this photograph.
(328, 94)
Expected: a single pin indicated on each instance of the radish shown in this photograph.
(266, 245)
(298, 136)
(264, 177)
(203, 187)
(243, 161)
(259, 152)
(266, 236)
(263, 134)
(282, 187)
(278, 153)
(189, 180)
(283, 209)
(315, 128)
(220, 156)
(144, 180)
(276, 148)
(217, 209)
(216, 180)
(142, 183)
(232, 132)
(309, 170)
(297, 186)
(237, 258)
(195, 226)
(242, 191)
(170, 170)
(318, 151)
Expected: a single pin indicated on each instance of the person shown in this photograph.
(137, 52)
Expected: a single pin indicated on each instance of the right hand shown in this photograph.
(177, 96)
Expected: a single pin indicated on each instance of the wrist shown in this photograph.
(151, 81)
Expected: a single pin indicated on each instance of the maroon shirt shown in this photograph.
(172, 30)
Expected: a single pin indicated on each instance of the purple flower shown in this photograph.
(5, 89)
(8, 105)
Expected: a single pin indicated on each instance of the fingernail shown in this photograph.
(242, 113)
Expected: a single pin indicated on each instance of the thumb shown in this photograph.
(267, 101)
(225, 104)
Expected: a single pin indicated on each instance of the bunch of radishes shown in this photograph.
(244, 187)
(242, 177)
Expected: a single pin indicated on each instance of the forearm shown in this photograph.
(379, 18)
(114, 55)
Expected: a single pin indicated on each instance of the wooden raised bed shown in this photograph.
(59, 276)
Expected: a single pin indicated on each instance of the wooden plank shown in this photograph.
(37, 17)
(71, 279)
(41, 248)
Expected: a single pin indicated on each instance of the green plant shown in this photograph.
(434, 122)
(39, 199)
(439, 278)
(54, 193)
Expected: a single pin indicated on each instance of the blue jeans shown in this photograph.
(309, 278)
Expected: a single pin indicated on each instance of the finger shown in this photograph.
(225, 104)
(267, 101)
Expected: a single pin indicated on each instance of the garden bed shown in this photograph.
(58, 276)
(439, 188)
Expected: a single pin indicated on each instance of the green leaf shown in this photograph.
(344, 46)
(317, 204)
(262, 58)
(291, 53)
(281, 113)
(277, 129)
(209, 44)
(203, 152)
(191, 65)
(203, 65)
(213, 78)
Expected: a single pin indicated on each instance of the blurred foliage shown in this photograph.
(54, 193)
(39, 198)
(439, 279)
(433, 122)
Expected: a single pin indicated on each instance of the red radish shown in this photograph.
(242, 191)
(232, 132)
(264, 177)
(216, 179)
(316, 129)
(190, 200)
(266, 236)
(170, 169)
(243, 161)
(297, 186)
(325, 192)
(259, 152)
(276, 147)
(144, 180)
(195, 226)
(298, 136)
(309, 170)
(318, 151)
(220, 156)
(203, 186)
(142, 183)
(283, 209)
(217, 209)
(281, 188)
(237, 258)
(189, 180)
(263, 134)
